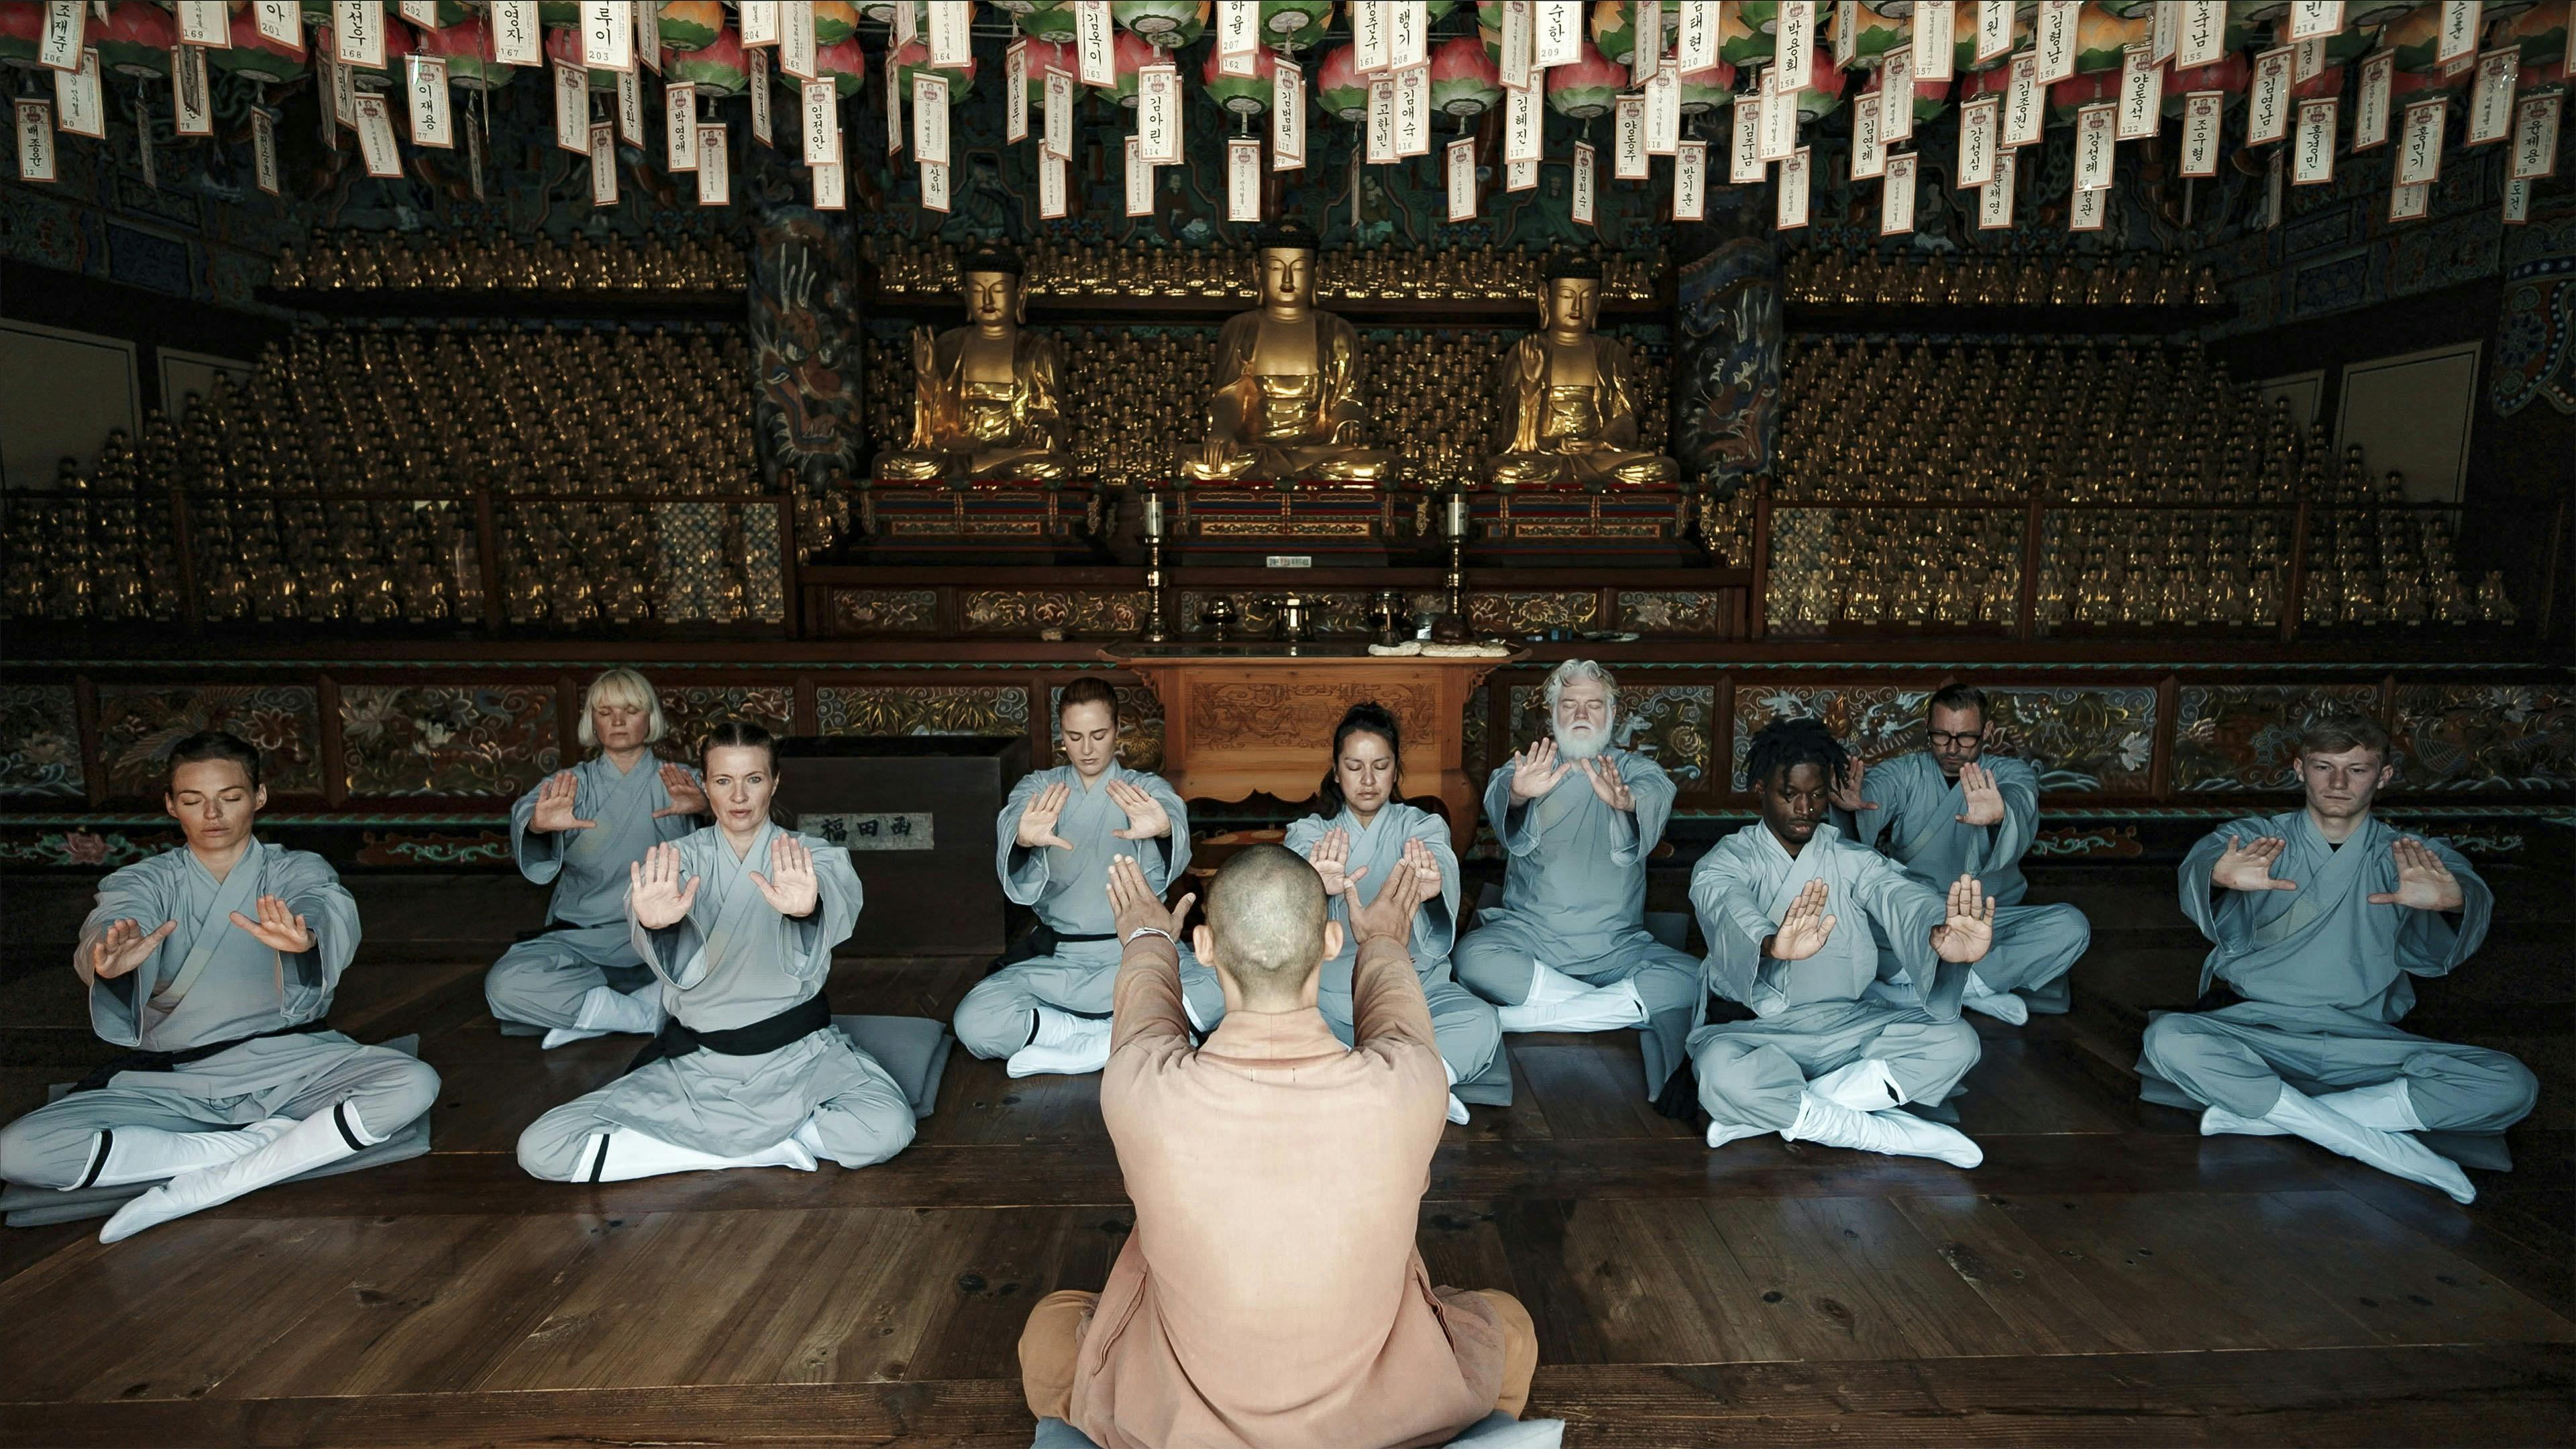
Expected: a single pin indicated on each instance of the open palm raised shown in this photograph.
(1804, 930)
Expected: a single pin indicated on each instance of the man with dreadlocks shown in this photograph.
(1844, 1032)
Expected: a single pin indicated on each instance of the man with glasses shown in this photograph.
(1952, 810)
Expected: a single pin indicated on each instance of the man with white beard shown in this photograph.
(1567, 950)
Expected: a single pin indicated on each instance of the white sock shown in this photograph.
(626, 1154)
(1863, 1086)
(123, 1156)
(2001, 1005)
(2219, 1122)
(325, 1137)
(1722, 1133)
(2383, 1106)
(2390, 1152)
(605, 1009)
(1457, 1110)
(1595, 1008)
(1549, 986)
(1065, 1045)
(1895, 1131)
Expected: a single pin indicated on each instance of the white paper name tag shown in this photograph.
(1518, 61)
(1935, 31)
(1896, 197)
(1458, 171)
(1896, 85)
(1242, 179)
(282, 21)
(1994, 29)
(1371, 47)
(607, 35)
(2086, 208)
(1058, 138)
(2142, 95)
(2419, 146)
(2315, 19)
(603, 164)
(572, 109)
(2202, 38)
(66, 24)
(2201, 111)
(630, 108)
(1015, 92)
(431, 119)
(1869, 148)
(1664, 113)
(1287, 116)
(2460, 21)
(1381, 121)
(1521, 125)
(1092, 42)
(2312, 146)
(1793, 37)
(263, 149)
(203, 23)
(1699, 36)
(1238, 38)
(2022, 111)
(934, 187)
(2517, 202)
(2491, 96)
(2535, 136)
(376, 137)
(2267, 104)
(1586, 186)
(1557, 32)
(515, 40)
(951, 44)
(35, 127)
(1977, 141)
(796, 38)
(715, 167)
(1412, 111)
(759, 22)
(1791, 213)
(1690, 181)
(763, 129)
(2410, 203)
(1628, 139)
(680, 127)
(1052, 200)
(821, 116)
(1158, 114)
(1744, 157)
(192, 105)
(2370, 108)
(930, 118)
(1995, 202)
(79, 103)
(831, 187)
(1140, 181)
(2054, 43)
(1779, 125)
(2095, 153)
(358, 33)
(1407, 34)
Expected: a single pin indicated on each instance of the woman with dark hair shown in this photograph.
(737, 922)
(1355, 841)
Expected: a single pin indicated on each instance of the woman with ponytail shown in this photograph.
(1354, 840)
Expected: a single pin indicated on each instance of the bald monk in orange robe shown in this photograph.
(1271, 1296)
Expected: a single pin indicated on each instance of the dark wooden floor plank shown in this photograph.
(2045, 1306)
(847, 1302)
(1589, 1086)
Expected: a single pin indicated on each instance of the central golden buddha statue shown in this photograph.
(1569, 397)
(983, 396)
(1287, 402)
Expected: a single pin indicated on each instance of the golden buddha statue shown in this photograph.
(983, 396)
(1570, 396)
(1287, 402)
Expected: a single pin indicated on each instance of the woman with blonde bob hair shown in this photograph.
(579, 830)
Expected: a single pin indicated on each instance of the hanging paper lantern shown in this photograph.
(1963, 35)
(2229, 75)
(451, 12)
(134, 40)
(465, 46)
(1489, 27)
(1587, 88)
(564, 44)
(836, 21)
(1048, 20)
(914, 59)
(1464, 80)
(1338, 88)
(2540, 34)
(1434, 9)
(720, 68)
(1707, 89)
(2102, 37)
(1164, 24)
(2347, 45)
(1046, 55)
(22, 35)
(1296, 24)
(1741, 43)
(845, 65)
(691, 24)
(1241, 95)
(2129, 9)
(2256, 12)
(253, 56)
(2073, 94)
(1874, 35)
(1614, 29)
(2376, 12)
(2417, 38)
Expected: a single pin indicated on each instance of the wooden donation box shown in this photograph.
(916, 812)
(1241, 719)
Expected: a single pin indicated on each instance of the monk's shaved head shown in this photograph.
(1265, 910)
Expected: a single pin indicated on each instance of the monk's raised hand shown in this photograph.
(1424, 862)
(1391, 914)
(687, 796)
(1038, 817)
(1536, 770)
(1331, 857)
(1985, 798)
(279, 928)
(2424, 883)
(790, 887)
(1970, 927)
(1134, 906)
(125, 945)
(2249, 867)
(1604, 775)
(1846, 792)
(554, 805)
(1146, 817)
(654, 892)
(1805, 927)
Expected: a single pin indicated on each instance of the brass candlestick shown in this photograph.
(1454, 524)
(1154, 631)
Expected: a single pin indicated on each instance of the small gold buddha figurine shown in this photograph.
(984, 399)
(1570, 396)
(1287, 402)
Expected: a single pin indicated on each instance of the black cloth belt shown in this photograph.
(1041, 940)
(550, 927)
(765, 1035)
(164, 1061)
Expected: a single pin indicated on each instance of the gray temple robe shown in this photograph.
(1917, 824)
(211, 981)
(1462, 1023)
(2324, 976)
(733, 961)
(540, 982)
(1853, 1000)
(1069, 891)
(1574, 898)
